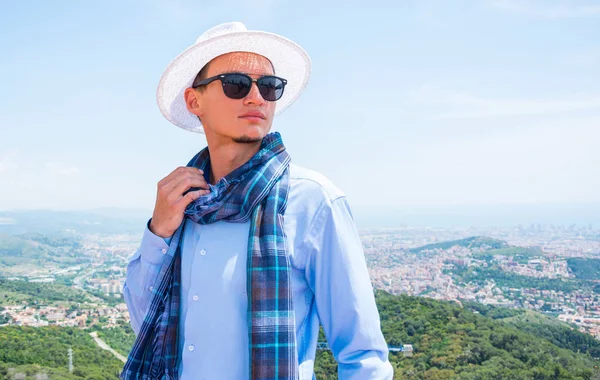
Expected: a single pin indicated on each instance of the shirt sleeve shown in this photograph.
(337, 273)
(142, 269)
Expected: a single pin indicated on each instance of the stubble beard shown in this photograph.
(244, 139)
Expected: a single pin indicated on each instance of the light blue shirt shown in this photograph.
(330, 285)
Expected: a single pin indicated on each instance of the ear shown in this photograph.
(193, 101)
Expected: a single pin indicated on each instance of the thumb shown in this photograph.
(193, 195)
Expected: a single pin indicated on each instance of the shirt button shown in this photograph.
(164, 250)
(191, 347)
(203, 252)
(195, 298)
(151, 288)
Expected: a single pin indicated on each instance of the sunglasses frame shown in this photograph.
(225, 75)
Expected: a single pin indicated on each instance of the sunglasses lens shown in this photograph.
(236, 86)
(271, 88)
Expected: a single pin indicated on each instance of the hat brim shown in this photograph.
(289, 60)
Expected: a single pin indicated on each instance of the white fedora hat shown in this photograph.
(289, 60)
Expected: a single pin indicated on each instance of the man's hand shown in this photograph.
(171, 201)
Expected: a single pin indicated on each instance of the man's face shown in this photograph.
(225, 117)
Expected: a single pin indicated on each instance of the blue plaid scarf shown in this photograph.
(256, 191)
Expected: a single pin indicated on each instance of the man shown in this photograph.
(245, 254)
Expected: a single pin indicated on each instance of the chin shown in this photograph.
(251, 133)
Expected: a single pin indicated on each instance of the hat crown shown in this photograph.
(291, 61)
(222, 29)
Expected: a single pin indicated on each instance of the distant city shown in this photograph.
(401, 260)
(68, 269)
(530, 267)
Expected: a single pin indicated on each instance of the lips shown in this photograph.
(253, 115)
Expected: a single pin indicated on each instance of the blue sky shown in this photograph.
(410, 103)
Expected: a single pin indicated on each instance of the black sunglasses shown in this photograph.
(237, 86)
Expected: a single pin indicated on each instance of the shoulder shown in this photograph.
(314, 203)
(317, 210)
(306, 183)
(311, 197)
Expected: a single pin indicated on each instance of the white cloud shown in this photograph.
(59, 169)
(539, 162)
(462, 105)
(29, 182)
(552, 9)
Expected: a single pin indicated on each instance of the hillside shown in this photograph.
(480, 276)
(471, 342)
(471, 242)
(30, 350)
(15, 292)
(37, 250)
(455, 342)
(587, 269)
(557, 332)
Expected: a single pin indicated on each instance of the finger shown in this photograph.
(190, 197)
(183, 181)
(177, 173)
(185, 186)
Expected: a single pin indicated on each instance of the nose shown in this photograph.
(254, 96)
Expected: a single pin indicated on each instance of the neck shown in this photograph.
(226, 156)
